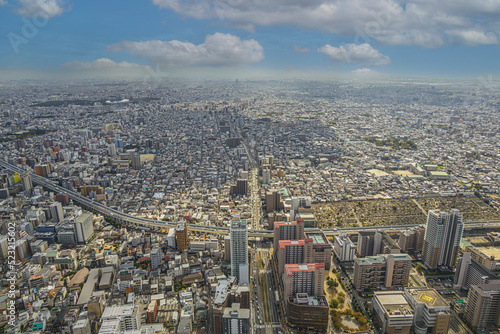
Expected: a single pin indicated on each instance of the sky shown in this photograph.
(419, 38)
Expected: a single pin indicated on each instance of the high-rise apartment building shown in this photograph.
(412, 239)
(303, 278)
(239, 250)
(470, 272)
(374, 243)
(294, 251)
(155, 257)
(483, 306)
(387, 270)
(181, 236)
(26, 182)
(293, 230)
(442, 238)
(343, 248)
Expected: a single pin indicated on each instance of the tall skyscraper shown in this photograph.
(442, 238)
(239, 250)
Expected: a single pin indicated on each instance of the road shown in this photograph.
(137, 222)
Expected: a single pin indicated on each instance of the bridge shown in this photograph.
(133, 221)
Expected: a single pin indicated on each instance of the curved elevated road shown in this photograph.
(151, 223)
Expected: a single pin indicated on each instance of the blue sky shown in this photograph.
(446, 38)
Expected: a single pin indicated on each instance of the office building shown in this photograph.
(382, 271)
(293, 230)
(343, 248)
(239, 250)
(236, 320)
(483, 306)
(84, 228)
(432, 312)
(442, 238)
(306, 312)
(412, 240)
(171, 238)
(56, 212)
(470, 272)
(303, 278)
(181, 236)
(155, 258)
(393, 312)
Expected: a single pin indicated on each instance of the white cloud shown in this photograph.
(3, 3)
(363, 54)
(472, 37)
(217, 50)
(100, 64)
(401, 22)
(41, 8)
(300, 49)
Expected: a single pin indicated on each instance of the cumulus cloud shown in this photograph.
(300, 49)
(425, 23)
(472, 37)
(217, 50)
(41, 8)
(101, 64)
(363, 54)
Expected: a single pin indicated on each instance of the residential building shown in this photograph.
(483, 306)
(293, 230)
(303, 278)
(384, 270)
(343, 248)
(155, 258)
(470, 272)
(239, 250)
(412, 240)
(181, 236)
(84, 227)
(442, 238)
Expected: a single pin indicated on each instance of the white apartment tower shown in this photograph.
(239, 250)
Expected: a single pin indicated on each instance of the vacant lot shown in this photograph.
(398, 211)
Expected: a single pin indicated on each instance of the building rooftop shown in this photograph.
(430, 297)
(291, 268)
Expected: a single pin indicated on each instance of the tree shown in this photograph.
(420, 268)
(341, 300)
(334, 303)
